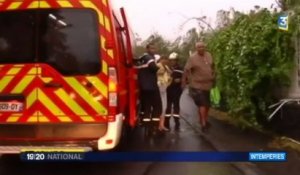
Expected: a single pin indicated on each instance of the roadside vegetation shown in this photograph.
(253, 57)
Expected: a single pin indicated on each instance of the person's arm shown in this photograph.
(179, 72)
(153, 67)
(160, 70)
(184, 79)
(140, 62)
(150, 62)
(186, 73)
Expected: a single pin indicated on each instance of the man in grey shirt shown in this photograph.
(199, 71)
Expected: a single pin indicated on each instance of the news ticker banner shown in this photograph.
(154, 156)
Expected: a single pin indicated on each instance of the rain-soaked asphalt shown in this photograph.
(186, 140)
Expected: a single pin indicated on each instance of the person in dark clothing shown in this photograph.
(149, 91)
(174, 92)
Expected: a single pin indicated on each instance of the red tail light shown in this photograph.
(112, 87)
(111, 118)
(112, 91)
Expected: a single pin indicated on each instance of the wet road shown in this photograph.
(185, 140)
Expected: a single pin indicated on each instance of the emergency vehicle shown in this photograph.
(64, 75)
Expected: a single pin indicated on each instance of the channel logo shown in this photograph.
(283, 22)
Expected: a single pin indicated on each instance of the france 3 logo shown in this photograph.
(283, 22)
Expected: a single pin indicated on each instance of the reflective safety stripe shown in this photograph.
(47, 102)
(32, 119)
(19, 65)
(110, 52)
(43, 119)
(71, 103)
(44, 4)
(64, 3)
(144, 65)
(28, 81)
(14, 5)
(89, 4)
(5, 81)
(103, 41)
(14, 71)
(146, 119)
(32, 71)
(150, 61)
(31, 98)
(176, 115)
(107, 23)
(34, 4)
(87, 118)
(86, 95)
(47, 80)
(39, 70)
(99, 85)
(19, 88)
(13, 118)
(64, 119)
(104, 2)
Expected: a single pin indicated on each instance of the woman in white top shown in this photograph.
(164, 79)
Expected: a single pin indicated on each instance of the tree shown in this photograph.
(288, 4)
(223, 19)
(164, 46)
(252, 57)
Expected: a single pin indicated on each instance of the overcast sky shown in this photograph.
(165, 16)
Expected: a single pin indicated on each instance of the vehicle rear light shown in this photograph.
(109, 141)
(112, 75)
(113, 87)
(111, 118)
(113, 99)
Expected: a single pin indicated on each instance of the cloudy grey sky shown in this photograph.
(165, 16)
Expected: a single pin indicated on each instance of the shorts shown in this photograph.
(200, 97)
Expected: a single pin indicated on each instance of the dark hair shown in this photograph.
(163, 57)
(149, 45)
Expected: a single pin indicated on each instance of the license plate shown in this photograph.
(11, 106)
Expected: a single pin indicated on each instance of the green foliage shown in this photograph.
(288, 4)
(252, 57)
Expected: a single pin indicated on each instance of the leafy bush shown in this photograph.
(252, 58)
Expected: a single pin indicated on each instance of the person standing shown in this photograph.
(164, 80)
(199, 70)
(174, 92)
(149, 91)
